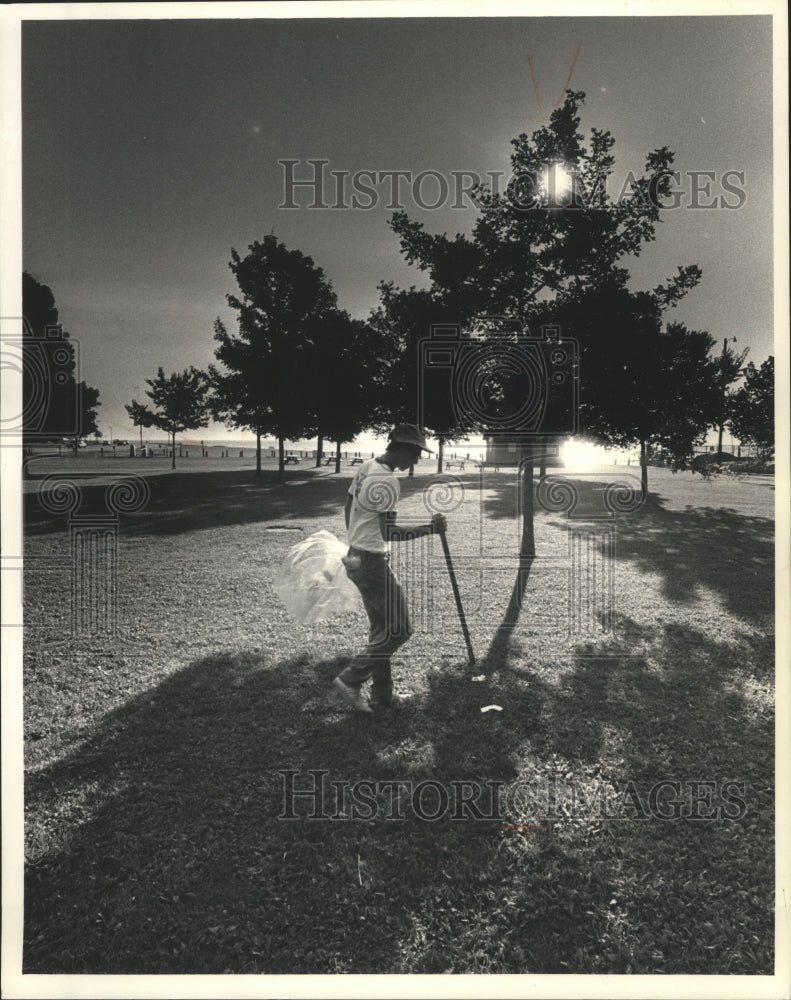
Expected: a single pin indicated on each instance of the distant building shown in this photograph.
(730, 445)
(502, 452)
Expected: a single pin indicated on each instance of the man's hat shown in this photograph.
(409, 434)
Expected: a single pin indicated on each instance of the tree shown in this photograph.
(343, 377)
(403, 322)
(264, 365)
(138, 414)
(554, 235)
(87, 415)
(236, 393)
(729, 370)
(619, 336)
(688, 393)
(752, 412)
(642, 385)
(181, 402)
(55, 404)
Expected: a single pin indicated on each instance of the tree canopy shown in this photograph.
(410, 393)
(752, 412)
(643, 384)
(557, 238)
(281, 295)
(55, 403)
(343, 377)
(729, 370)
(538, 240)
(180, 400)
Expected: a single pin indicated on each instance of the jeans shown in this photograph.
(388, 615)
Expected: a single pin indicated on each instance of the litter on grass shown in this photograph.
(312, 582)
(492, 708)
(478, 679)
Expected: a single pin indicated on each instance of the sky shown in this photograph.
(152, 147)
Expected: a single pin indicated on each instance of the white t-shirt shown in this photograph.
(375, 491)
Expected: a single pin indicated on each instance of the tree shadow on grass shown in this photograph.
(500, 648)
(721, 549)
(175, 860)
(181, 502)
(192, 501)
(729, 553)
(692, 894)
(161, 847)
(162, 844)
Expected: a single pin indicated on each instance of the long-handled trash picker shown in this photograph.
(457, 596)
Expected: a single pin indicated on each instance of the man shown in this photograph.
(371, 526)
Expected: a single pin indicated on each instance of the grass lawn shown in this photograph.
(154, 759)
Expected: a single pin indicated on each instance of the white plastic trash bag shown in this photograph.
(312, 582)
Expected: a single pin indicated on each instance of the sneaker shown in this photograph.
(353, 695)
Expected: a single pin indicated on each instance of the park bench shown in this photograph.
(459, 463)
(329, 461)
(488, 465)
(357, 461)
(291, 460)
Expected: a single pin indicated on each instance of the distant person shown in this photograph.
(370, 514)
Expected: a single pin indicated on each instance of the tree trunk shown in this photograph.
(319, 448)
(338, 457)
(643, 468)
(281, 458)
(528, 547)
(542, 469)
(440, 454)
(258, 453)
(719, 442)
(76, 447)
(173, 451)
